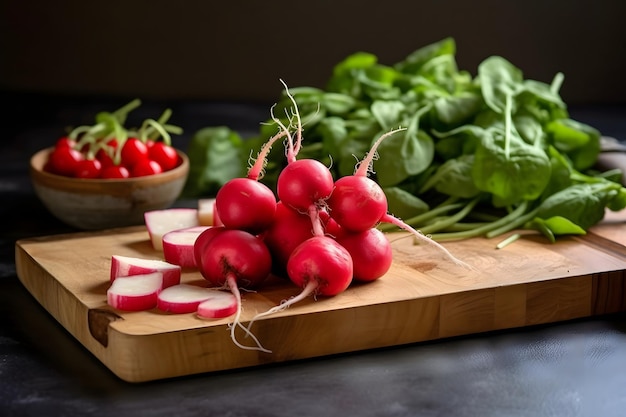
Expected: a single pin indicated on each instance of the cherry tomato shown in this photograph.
(104, 158)
(145, 167)
(88, 168)
(133, 151)
(65, 142)
(114, 171)
(64, 161)
(164, 154)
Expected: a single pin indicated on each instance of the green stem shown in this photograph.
(479, 231)
(514, 224)
(448, 221)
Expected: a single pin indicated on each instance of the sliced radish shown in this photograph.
(159, 222)
(221, 304)
(124, 266)
(135, 293)
(178, 245)
(207, 213)
(183, 298)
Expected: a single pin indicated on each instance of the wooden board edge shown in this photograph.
(441, 317)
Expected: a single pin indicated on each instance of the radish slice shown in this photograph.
(178, 246)
(159, 222)
(183, 298)
(207, 213)
(135, 293)
(124, 266)
(221, 304)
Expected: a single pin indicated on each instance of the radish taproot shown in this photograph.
(234, 258)
(124, 266)
(178, 246)
(136, 292)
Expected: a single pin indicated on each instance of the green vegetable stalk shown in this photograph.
(481, 156)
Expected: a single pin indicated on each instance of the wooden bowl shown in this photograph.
(92, 204)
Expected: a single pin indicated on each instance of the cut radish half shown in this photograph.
(159, 222)
(124, 266)
(183, 298)
(221, 304)
(178, 246)
(135, 293)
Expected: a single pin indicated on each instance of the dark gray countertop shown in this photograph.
(576, 368)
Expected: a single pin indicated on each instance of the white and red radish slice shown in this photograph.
(135, 293)
(124, 266)
(185, 298)
(178, 246)
(207, 213)
(221, 304)
(159, 222)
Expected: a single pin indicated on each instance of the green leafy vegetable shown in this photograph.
(481, 155)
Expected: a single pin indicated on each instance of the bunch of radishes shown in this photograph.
(107, 150)
(319, 233)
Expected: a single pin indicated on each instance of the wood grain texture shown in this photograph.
(422, 298)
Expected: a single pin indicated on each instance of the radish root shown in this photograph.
(232, 284)
(308, 290)
(388, 218)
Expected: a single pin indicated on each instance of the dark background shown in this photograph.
(238, 50)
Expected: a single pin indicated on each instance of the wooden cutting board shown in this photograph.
(421, 298)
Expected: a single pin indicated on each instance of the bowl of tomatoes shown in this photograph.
(106, 176)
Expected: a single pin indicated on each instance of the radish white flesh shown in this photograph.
(135, 293)
(178, 246)
(221, 304)
(185, 298)
(124, 266)
(159, 222)
(207, 214)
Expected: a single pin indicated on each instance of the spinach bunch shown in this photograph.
(482, 155)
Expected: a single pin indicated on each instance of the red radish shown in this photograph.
(221, 304)
(185, 298)
(370, 251)
(207, 213)
(289, 229)
(64, 160)
(178, 246)
(246, 204)
(114, 171)
(358, 203)
(234, 258)
(88, 168)
(135, 293)
(133, 151)
(145, 167)
(164, 154)
(304, 183)
(124, 266)
(159, 222)
(318, 265)
(202, 241)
